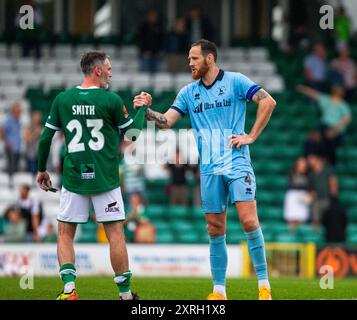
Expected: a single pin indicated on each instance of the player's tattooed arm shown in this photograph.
(160, 119)
(260, 95)
(266, 105)
(163, 121)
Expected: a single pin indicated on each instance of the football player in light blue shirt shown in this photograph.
(216, 103)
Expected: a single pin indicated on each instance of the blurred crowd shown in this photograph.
(330, 83)
(25, 220)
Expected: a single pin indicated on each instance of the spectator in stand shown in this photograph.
(343, 29)
(198, 26)
(346, 70)
(31, 210)
(151, 37)
(314, 144)
(316, 68)
(47, 231)
(297, 198)
(11, 134)
(176, 46)
(136, 218)
(324, 187)
(178, 184)
(335, 117)
(31, 138)
(16, 226)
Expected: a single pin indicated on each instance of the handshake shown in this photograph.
(144, 99)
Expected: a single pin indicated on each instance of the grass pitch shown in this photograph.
(103, 288)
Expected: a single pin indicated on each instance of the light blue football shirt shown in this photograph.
(216, 112)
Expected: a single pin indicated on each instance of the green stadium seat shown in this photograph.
(157, 197)
(268, 236)
(161, 225)
(165, 237)
(88, 232)
(351, 229)
(307, 233)
(199, 225)
(352, 239)
(156, 212)
(197, 213)
(188, 237)
(182, 225)
(203, 237)
(270, 212)
(235, 233)
(349, 198)
(232, 213)
(264, 197)
(347, 183)
(274, 227)
(287, 237)
(178, 212)
(352, 214)
(235, 238)
(2, 225)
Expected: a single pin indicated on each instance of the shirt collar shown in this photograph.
(218, 78)
(93, 87)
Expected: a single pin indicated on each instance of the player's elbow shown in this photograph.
(272, 103)
(269, 103)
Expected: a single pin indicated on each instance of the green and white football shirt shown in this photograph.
(90, 119)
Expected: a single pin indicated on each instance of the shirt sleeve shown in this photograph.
(53, 120)
(323, 102)
(245, 88)
(180, 104)
(122, 117)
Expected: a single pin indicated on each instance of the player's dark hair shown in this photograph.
(92, 59)
(207, 47)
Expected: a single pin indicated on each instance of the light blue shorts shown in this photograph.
(215, 190)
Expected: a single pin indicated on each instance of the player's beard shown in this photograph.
(104, 83)
(201, 72)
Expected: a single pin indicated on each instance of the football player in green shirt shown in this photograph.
(90, 116)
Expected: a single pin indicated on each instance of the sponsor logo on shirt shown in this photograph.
(87, 171)
(203, 106)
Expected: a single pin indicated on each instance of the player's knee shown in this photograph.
(249, 224)
(216, 228)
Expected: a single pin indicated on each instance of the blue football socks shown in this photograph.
(256, 249)
(219, 260)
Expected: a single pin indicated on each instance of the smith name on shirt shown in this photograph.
(83, 110)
